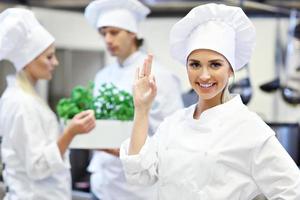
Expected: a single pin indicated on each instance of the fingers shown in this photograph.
(146, 69)
(152, 79)
(83, 122)
(88, 118)
(137, 73)
(87, 123)
(153, 85)
(84, 114)
(142, 71)
(90, 126)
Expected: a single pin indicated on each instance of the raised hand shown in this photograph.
(144, 89)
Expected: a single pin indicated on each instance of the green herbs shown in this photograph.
(111, 103)
(81, 99)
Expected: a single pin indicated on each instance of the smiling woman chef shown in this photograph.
(217, 148)
(33, 150)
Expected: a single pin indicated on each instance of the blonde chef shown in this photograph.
(217, 148)
(34, 151)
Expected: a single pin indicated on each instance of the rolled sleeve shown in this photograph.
(140, 168)
(54, 158)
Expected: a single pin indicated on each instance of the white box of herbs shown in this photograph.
(113, 110)
(106, 134)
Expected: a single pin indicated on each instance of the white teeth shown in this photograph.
(207, 85)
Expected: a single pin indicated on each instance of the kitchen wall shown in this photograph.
(73, 34)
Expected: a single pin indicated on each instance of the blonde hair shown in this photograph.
(226, 95)
(24, 83)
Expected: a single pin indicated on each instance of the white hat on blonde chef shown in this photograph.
(224, 29)
(124, 14)
(22, 37)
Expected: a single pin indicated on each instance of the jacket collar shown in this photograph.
(216, 114)
(131, 59)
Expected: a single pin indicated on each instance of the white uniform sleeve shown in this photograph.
(274, 171)
(167, 101)
(140, 169)
(39, 153)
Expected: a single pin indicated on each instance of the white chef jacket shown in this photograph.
(107, 178)
(227, 154)
(34, 168)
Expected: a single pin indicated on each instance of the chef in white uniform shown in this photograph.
(33, 150)
(117, 21)
(217, 148)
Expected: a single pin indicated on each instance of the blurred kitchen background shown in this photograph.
(270, 85)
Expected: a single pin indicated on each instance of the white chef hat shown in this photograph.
(22, 38)
(124, 14)
(224, 29)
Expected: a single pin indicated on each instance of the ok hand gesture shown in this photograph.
(144, 89)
